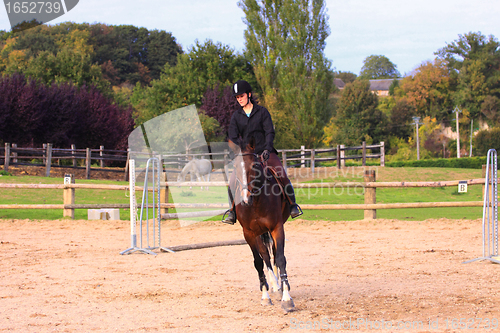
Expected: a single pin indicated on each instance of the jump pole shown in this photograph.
(133, 209)
(490, 211)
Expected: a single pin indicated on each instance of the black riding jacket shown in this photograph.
(259, 125)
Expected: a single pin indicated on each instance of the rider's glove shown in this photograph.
(265, 155)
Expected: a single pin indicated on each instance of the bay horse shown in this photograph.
(262, 210)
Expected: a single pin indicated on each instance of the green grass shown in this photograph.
(55, 196)
(335, 195)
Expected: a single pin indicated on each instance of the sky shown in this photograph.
(406, 32)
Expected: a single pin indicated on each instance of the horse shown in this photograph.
(200, 168)
(262, 210)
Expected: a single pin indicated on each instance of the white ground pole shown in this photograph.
(153, 164)
(490, 211)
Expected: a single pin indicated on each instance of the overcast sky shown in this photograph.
(407, 32)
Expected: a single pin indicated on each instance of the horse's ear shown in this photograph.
(235, 146)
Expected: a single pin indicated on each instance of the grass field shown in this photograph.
(337, 195)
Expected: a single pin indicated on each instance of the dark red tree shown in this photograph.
(32, 113)
(220, 104)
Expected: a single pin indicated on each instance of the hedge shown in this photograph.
(464, 163)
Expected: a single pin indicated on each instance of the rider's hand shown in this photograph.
(265, 155)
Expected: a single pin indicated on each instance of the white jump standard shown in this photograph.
(154, 165)
(490, 211)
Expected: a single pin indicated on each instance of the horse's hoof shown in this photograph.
(266, 302)
(288, 305)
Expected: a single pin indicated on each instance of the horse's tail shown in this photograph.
(268, 241)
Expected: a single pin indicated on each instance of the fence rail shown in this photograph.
(50, 157)
(369, 207)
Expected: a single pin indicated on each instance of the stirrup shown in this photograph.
(227, 219)
(295, 211)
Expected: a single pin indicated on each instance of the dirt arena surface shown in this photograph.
(68, 276)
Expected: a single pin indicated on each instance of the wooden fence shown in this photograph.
(47, 156)
(369, 187)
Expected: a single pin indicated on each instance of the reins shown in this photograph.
(243, 183)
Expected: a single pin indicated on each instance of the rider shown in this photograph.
(255, 120)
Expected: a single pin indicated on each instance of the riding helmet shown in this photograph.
(241, 87)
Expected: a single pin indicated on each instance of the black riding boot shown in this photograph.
(295, 210)
(231, 214)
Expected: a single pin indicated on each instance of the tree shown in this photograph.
(400, 119)
(358, 118)
(219, 104)
(62, 114)
(346, 77)
(378, 67)
(475, 62)
(285, 43)
(72, 62)
(25, 25)
(427, 89)
(204, 67)
(128, 47)
(127, 54)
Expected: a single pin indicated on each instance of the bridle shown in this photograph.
(246, 194)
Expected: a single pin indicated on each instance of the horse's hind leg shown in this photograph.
(268, 248)
(279, 241)
(259, 266)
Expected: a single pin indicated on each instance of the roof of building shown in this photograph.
(382, 84)
(339, 83)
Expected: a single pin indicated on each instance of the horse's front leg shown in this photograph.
(279, 241)
(259, 266)
(199, 177)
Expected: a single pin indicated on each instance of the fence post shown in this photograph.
(14, 153)
(48, 160)
(163, 192)
(44, 155)
(313, 157)
(364, 153)
(88, 157)
(101, 153)
(73, 152)
(342, 156)
(127, 165)
(382, 154)
(339, 160)
(7, 157)
(302, 157)
(283, 154)
(69, 196)
(370, 195)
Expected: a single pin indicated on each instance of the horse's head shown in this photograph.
(249, 172)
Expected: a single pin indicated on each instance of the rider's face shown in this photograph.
(242, 99)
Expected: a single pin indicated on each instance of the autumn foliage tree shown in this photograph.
(428, 89)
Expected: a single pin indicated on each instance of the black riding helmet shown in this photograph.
(241, 87)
